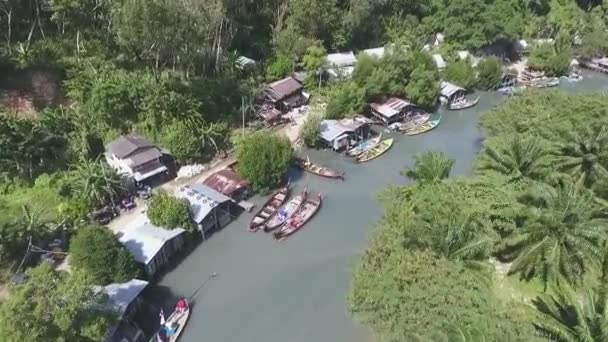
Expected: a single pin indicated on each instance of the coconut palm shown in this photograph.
(516, 158)
(96, 182)
(430, 167)
(564, 317)
(466, 238)
(584, 155)
(559, 237)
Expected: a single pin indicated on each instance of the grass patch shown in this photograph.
(42, 197)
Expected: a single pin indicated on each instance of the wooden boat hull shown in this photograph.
(376, 152)
(319, 170)
(180, 320)
(363, 146)
(291, 207)
(419, 120)
(307, 211)
(464, 105)
(424, 127)
(269, 209)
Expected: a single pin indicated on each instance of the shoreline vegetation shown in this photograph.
(190, 76)
(497, 253)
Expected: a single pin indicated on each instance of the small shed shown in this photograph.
(377, 53)
(340, 134)
(391, 110)
(229, 183)
(340, 65)
(245, 63)
(286, 94)
(439, 62)
(449, 91)
(210, 209)
(151, 246)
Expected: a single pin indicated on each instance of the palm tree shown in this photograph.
(466, 238)
(96, 182)
(558, 239)
(213, 134)
(566, 318)
(430, 167)
(516, 158)
(584, 155)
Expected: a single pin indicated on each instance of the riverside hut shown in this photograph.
(340, 65)
(449, 92)
(391, 110)
(209, 209)
(286, 94)
(341, 134)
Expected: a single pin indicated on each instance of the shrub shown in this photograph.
(281, 66)
(169, 212)
(311, 129)
(461, 73)
(489, 73)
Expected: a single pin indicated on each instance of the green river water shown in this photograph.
(296, 290)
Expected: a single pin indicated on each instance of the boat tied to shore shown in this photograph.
(318, 170)
(462, 103)
(412, 121)
(376, 151)
(172, 327)
(285, 212)
(364, 146)
(308, 209)
(424, 127)
(269, 209)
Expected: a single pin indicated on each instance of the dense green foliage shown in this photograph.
(489, 73)
(310, 132)
(55, 306)
(462, 74)
(264, 159)
(96, 251)
(169, 212)
(532, 206)
(553, 60)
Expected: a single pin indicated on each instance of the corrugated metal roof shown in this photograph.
(341, 59)
(391, 107)
(202, 200)
(125, 145)
(245, 61)
(331, 129)
(278, 90)
(225, 181)
(448, 89)
(122, 295)
(145, 241)
(375, 52)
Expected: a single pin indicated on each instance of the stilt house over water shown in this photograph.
(391, 110)
(449, 92)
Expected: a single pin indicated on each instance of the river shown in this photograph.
(296, 290)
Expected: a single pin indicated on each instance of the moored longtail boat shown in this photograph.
(424, 127)
(364, 146)
(285, 212)
(322, 171)
(462, 104)
(376, 151)
(269, 209)
(299, 219)
(416, 120)
(173, 326)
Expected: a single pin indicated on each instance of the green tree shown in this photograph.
(313, 62)
(461, 73)
(169, 212)
(423, 87)
(558, 239)
(281, 66)
(516, 158)
(55, 306)
(181, 141)
(263, 159)
(565, 316)
(430, 167)
(311, 130)
(15, 235)
(96, 250)
(489, 73)
(345, 100)
(583, 154)
(550, 59)
(95, 182)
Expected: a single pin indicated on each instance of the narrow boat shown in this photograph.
(545, 83)
(173, 326)
(299, 219)
(269, 209)
(417, 119)
(376, 151)
(285, 212)
(364, 146)
(322, 171)
(424, 127)
(462, 104)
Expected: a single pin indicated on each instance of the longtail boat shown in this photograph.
(269, 209)
(299, 219)
(364, 146)
(285, 212)
(416, 120)
(173, 326)
(462, 103)
(424, 127)
(322, 171)
(376, 151)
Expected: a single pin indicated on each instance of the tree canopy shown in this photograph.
(169, 212)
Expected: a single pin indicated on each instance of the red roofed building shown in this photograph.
(228, 183)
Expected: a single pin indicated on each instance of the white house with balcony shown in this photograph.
(135, 157)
